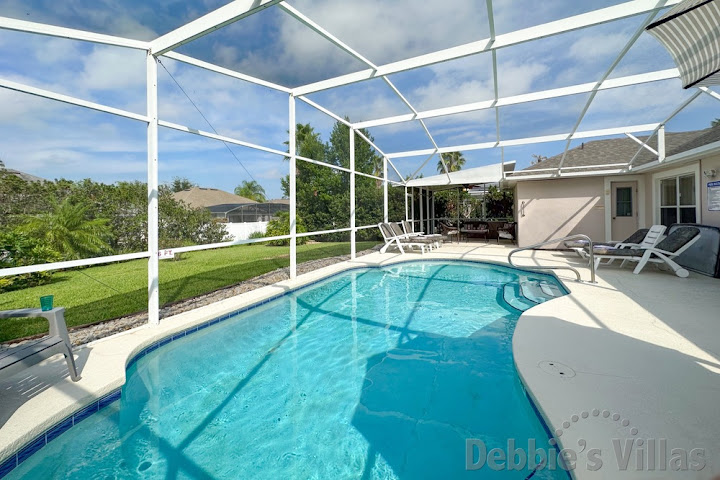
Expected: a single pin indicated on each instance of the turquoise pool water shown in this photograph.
(373, 374)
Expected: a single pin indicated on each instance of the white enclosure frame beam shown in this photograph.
(355, 54)
(640, 142)
(677, 110)
(385, 190)
(70, 33)
(292, 186)
(225, 15)
(661, 143)
(639, 31)
(152, 185)
(287, 8)
(352, 194)
(712, 93)
(234, 141)
(224, 71)
(39, 92)
(568, 24)
(325, 111)
(372, 144)
(530, 140)
(432, 154)
(222, 138)
(45, 267)
(609, 83)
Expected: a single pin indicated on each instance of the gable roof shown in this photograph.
(621, 150)
(198, 197)
(22, 175)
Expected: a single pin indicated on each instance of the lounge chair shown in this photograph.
(436, 238)
(16, 359)
(399, 232)
(672, 246)
(399, 241)
(449, 231)
(643, 238)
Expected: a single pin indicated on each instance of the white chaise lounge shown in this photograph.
(663, 253)
(435, 238)
(399, 240)
(643, 238)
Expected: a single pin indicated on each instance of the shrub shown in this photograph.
(17, 250)
(281, 226)
(257, 235)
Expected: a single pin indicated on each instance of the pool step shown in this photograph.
(538, 291)
(512, 295)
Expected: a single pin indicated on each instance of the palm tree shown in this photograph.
(307, 142)
(68, 231)
(252, 190)
(453, 160)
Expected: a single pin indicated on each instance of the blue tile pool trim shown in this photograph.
(55, 431)
(9, 464)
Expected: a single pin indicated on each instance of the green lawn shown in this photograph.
(100, 293)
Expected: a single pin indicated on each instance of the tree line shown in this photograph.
(323, 193)
(57, 220)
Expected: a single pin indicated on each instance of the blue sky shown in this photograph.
(54, 140)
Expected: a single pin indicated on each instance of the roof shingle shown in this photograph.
(621, 150)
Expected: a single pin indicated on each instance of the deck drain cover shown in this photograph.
(556, 368)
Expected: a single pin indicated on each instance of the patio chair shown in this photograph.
(507, 232)
(16, 359)
(672, 246)
(391, 239)
(436, 238)
(449, 231)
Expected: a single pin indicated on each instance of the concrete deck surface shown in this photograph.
(645, 347)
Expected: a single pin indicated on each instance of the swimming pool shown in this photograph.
(375, 373)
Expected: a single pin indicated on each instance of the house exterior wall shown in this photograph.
(708, 217)
(556, 208)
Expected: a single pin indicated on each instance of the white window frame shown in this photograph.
(690, 169)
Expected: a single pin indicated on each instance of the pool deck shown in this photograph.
(645, 347)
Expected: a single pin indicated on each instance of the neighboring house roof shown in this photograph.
(228, 207)
(198, 197)
(284, 201)
(22, 175)
(621, 150)
(234, 209)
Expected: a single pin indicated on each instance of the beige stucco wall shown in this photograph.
(709, 218)
(560, 207)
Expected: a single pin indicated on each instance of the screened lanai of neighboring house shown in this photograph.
(499, 81)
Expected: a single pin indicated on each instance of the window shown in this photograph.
(678, 200)
(623, 202)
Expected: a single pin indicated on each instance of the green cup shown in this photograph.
(46, 303)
